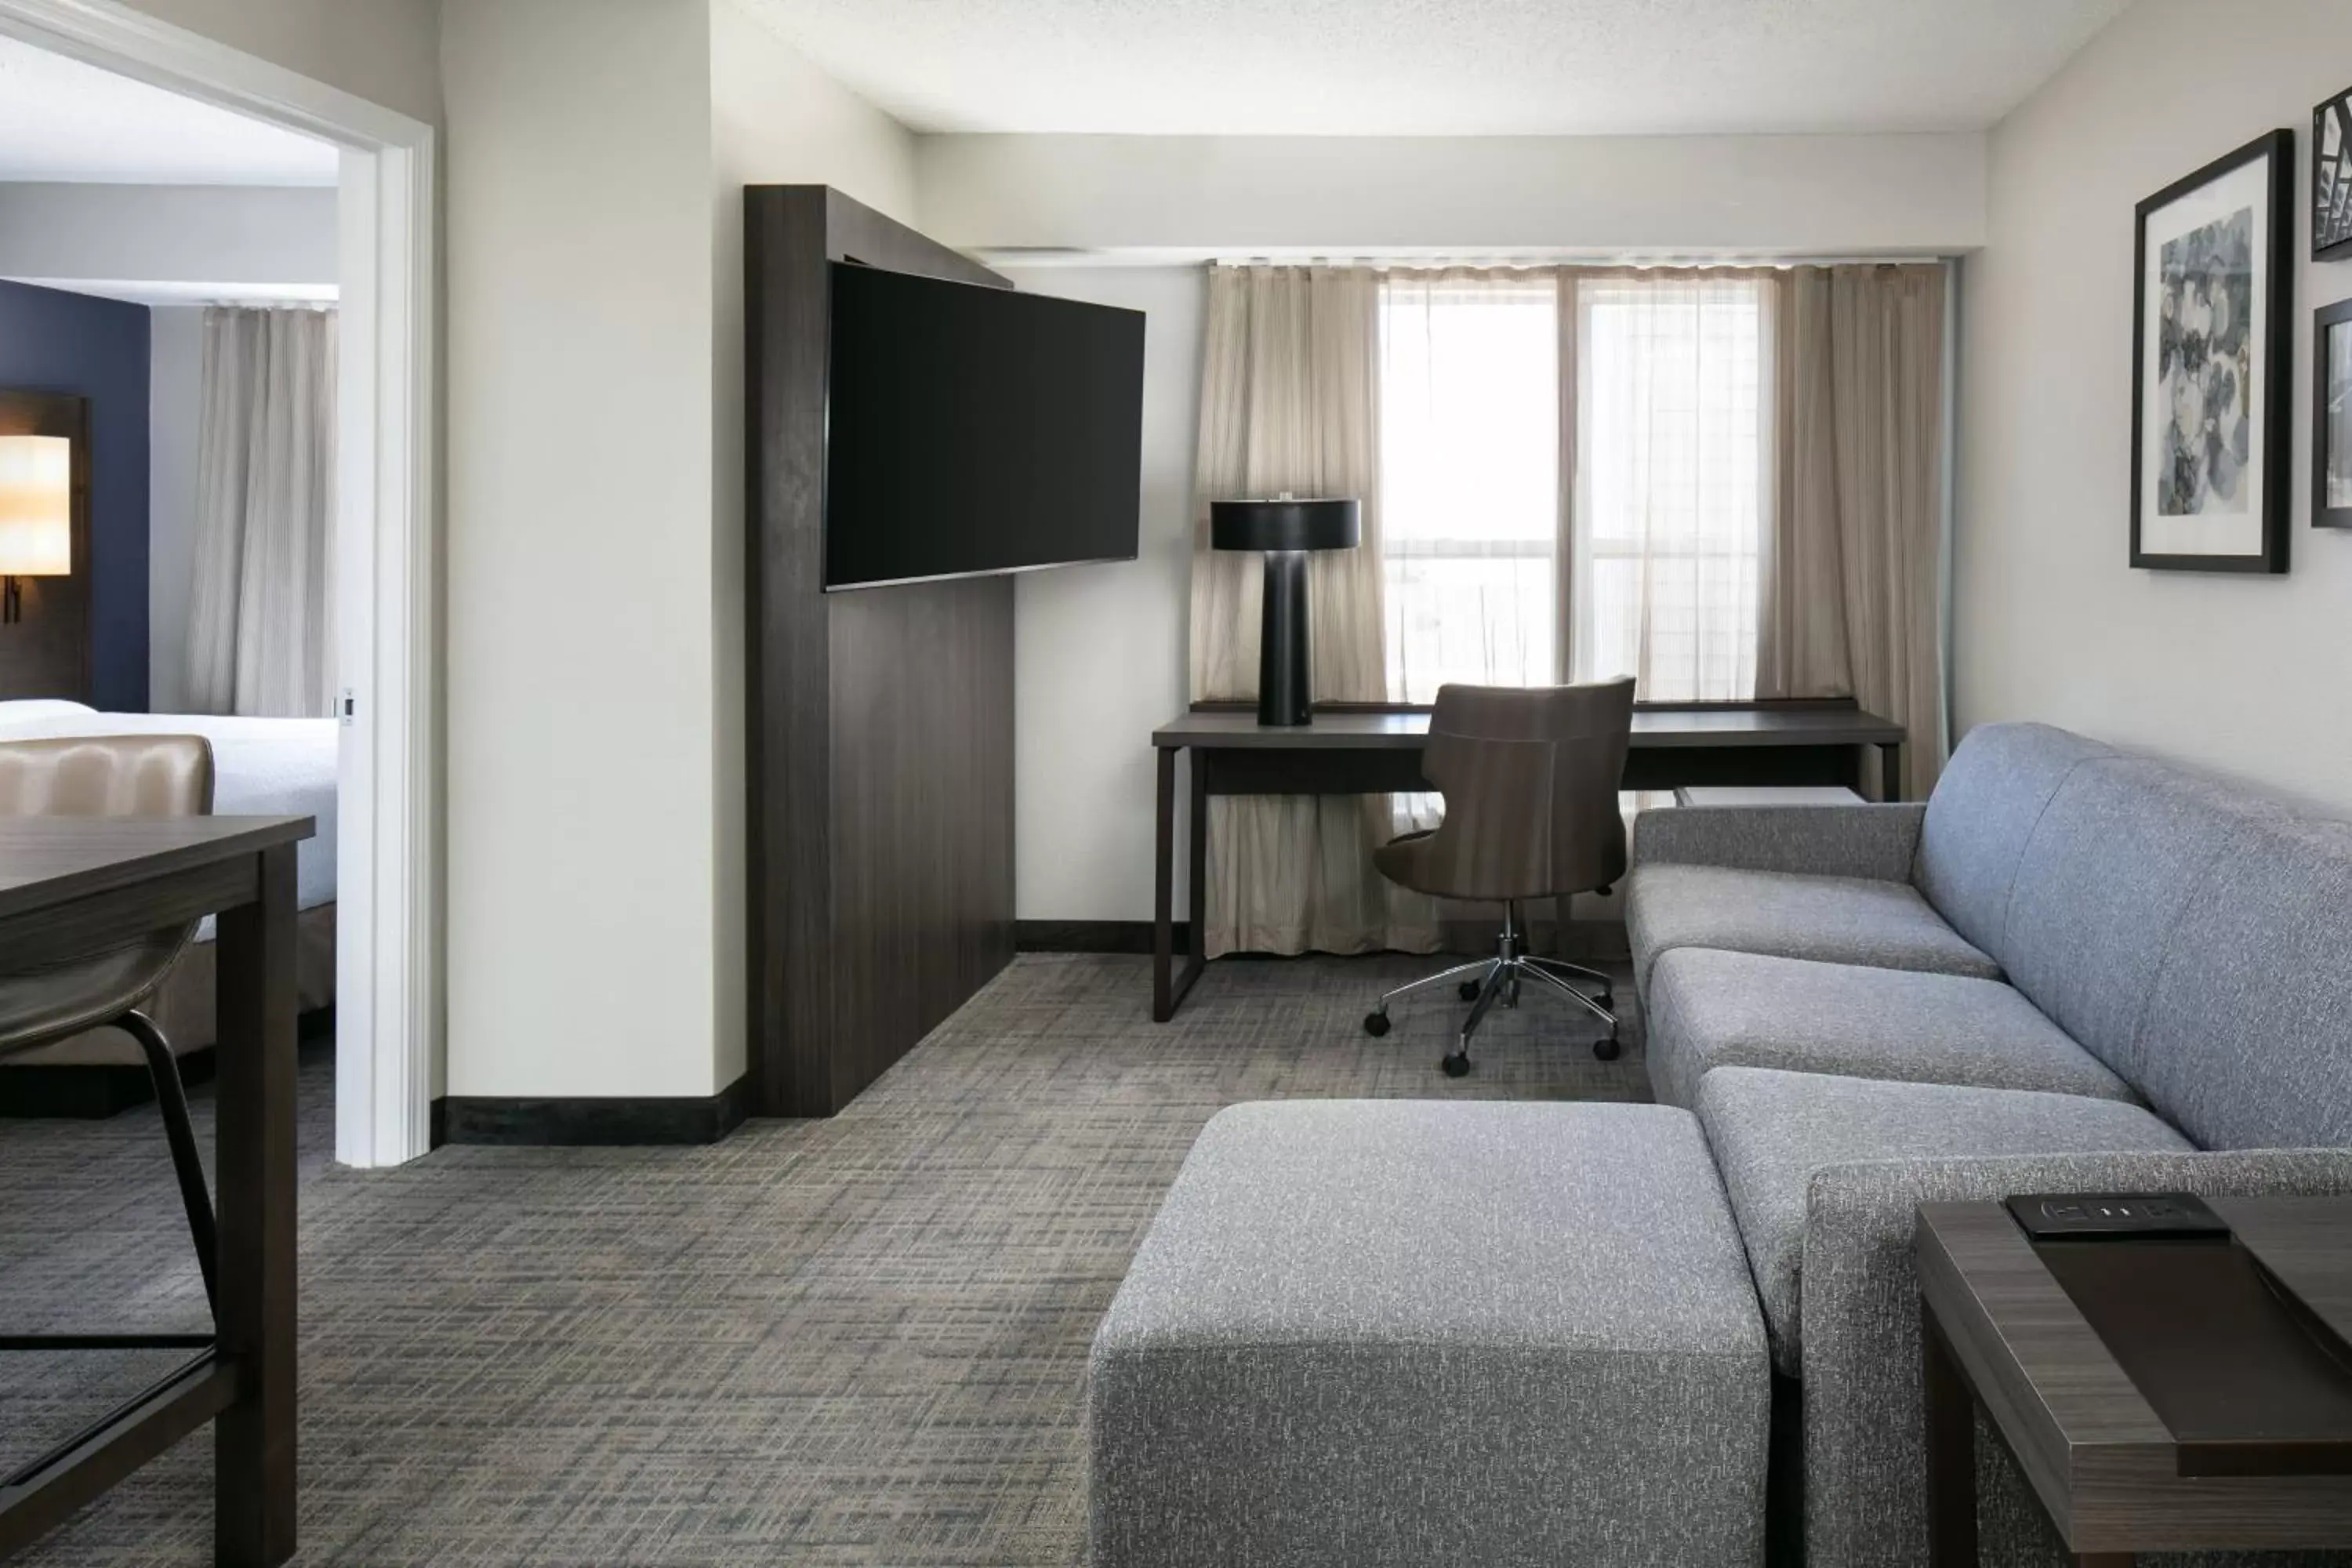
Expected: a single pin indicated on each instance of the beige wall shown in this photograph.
(1752, 194)
(582, 923)
(2241, 672)
(774, 120)
(382, 50)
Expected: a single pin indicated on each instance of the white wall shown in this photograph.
(1755, 196)
(241, 236)
(596, 922)
(382, 50)
(2239, 672)
(175, 393)
(774, 120)
(581, 718)
(1099, 650)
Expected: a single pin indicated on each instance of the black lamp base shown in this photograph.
(1282, 699)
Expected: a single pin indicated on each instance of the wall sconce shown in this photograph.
(35, 514)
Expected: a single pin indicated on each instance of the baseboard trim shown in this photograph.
(1090, 936)
(590, 1121)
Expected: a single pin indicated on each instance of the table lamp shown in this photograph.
(36, 513)
(1286, 529)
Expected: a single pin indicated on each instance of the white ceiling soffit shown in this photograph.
(63, 121)
(170, 293)
(1433, 68)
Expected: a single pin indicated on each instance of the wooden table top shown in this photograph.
(46, 861)
(2097, 1452)
(1227, 729)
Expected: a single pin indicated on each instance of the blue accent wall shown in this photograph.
(96, 349)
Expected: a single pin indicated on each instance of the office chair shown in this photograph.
(1530, 777)
(115, 775)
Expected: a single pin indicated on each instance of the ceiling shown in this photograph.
(62, 120)
(1439, 66)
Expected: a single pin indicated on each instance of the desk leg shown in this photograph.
(1951, 1438)
(1890, 772)
(1163, 892)
(1197, 899)
(253, 1524)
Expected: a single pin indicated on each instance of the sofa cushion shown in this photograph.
(1709, 1009)
(2247, 1041)
(1397, 1333)
(1839, 920)
(1771, 1130)
(1983, 809)
(2124, 844)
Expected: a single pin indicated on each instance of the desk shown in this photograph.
(72, 886)
(1366, 753)
(1999, 1329)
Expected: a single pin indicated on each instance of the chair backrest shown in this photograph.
(1530, 777)
(107, 775)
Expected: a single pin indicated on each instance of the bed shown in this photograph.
(260, 767)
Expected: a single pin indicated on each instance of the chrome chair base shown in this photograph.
(1487, 980)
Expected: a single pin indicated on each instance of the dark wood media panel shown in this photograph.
(880, 752)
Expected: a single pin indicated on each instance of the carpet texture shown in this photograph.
(854, 1342)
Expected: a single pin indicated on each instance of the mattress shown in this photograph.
(261, 767)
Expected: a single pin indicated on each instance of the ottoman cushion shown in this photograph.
(1409, 1332)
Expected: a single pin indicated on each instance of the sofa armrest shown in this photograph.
(1873, 841)
(1865, 1491)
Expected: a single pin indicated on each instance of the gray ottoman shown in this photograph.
(1419, 1334)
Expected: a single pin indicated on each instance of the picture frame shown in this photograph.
(2331, 179)
(2212, 364)
(2331, 416)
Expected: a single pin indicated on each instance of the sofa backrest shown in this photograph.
(1984, 808)
(2247, 1041)
(2123, 847)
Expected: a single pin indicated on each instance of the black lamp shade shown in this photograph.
(1324, 524)
(1285, 530)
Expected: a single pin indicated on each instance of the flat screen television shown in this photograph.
(972, 429)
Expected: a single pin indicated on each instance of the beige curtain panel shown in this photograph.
(1850, 580)
(262, 635)
(1289, 401)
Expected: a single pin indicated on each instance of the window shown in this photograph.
(1673, 451)
(1671, 473)
(1469, 479)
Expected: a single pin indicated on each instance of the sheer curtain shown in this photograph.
(1669, 373)
(1851, 591)
(1469, 478)
(1289, 400)
(260, 611)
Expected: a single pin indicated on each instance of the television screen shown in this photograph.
(972, 429)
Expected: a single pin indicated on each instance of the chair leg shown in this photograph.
(1458, 1061)
(1565, 989)
(1478, 968)
(172, 1099)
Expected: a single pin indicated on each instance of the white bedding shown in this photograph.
(261, 767)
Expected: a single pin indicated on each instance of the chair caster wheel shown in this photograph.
(1456, 1065)
(1468, 990)
(1376, 1024)
(1606, 1050)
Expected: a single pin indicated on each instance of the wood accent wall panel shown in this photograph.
(47, 654)
(879, 756)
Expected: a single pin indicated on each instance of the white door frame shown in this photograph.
(388, 1015)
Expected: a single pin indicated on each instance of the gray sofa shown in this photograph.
(2071, 969)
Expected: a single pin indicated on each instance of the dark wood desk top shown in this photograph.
(1221, 729)
(2102, 1460)
(46, 861)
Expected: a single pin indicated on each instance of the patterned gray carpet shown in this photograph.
(857, 1341)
